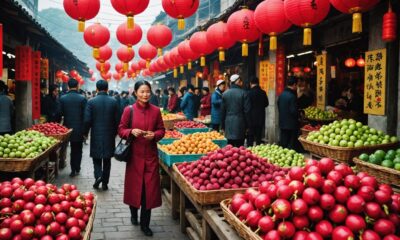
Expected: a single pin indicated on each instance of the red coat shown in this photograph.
(172, 103)
(143, 164)
(205, 105)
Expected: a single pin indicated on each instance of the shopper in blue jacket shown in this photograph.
(187, 104)
(216, 101)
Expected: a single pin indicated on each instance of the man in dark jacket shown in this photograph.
(73, 109)
(124, 101)
(235, 112)
(52, 105)
(6, 110)
(188, 104)
(102, 117)
(289, 115)
(216, 102)
(259, 101)
(154, 99)
(197, 101)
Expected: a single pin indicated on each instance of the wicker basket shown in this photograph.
(241, 228)
(169, 124)
(211, 197)
(383, 174)
(305, 132)
(341, 154)
(89, 225)
(62, 137)
(24, 164)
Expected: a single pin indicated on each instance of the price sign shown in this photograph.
(263, 75)
(321, 81)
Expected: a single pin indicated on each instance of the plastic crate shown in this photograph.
(221, 142)
(166, 141)
(169, 159)
(192, 130)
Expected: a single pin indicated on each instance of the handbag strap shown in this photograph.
(130, 116)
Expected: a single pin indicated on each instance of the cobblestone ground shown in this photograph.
(112, 216)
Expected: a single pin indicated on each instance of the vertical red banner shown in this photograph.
(280, 70)
(36, 85)
(1, 50)
(23, 63)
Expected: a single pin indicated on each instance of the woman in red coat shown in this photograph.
(142, 179)
(205, 107)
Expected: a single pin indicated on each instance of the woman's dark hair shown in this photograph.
(172, 89)
(206, 89)
(140, 83)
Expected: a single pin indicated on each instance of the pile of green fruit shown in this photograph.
(25, 144)
(349, 133)
(318, 114)
(389, 159)
(278, 155)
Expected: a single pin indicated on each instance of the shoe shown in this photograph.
(104, 187)
(134, 221)
(147, 231)
(73, 174)
(97, 183)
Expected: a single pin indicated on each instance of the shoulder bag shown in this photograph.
(123, 150)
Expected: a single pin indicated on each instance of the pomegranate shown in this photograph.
(326, 165)
(242, 211)
(252, 218)
(373, 210)
(338, 214)
(286, 229)
(370, 235)
(342, 194)
(296, 173)
(355, 204)
(262, 202)
(327, 201)
(281, 208)
(366, 192)
(266, 224)
(384, 227)
(311, 196)
(74, 233)
(299, 207)
(355, 223)
(314, 180)
(301, 222)
(342, 233)
(272, 235)
(324, 228)
(315, 213)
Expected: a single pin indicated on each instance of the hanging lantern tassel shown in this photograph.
(357, 22)
(159, 51)
(126, 66)
(130, 22)
(261, 46)
(221, 55)
(181, 24)
(175, 73)
(101, 67)
(273, 42)
(245, 49)
(81, 25)
(307, 36)
(181, 69)
(147, 64)
(202, 61)
(190, 65)
(96, 52)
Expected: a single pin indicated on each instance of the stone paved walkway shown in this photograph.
(112, 216)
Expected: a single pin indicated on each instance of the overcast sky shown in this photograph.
(109, 16)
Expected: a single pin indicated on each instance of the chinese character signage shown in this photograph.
(280, 70)
(36, 85)
(263, 75)
(44, 68)
(271, 76)
(375, 82)
(23, 63)
(321, 81)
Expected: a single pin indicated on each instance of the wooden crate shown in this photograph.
(61, 137)
(89, 225)
(383, 174)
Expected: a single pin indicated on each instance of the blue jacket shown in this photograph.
(73, 109)
(187, 106)
(216, 101)
(288, 110)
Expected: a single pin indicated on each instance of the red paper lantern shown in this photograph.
(106, 76)
(135, 67)
(270, 19)
(199, 43)
(306, 13)
(360, 62)
(103, 67)
(142, 64)
(177, 59)
(180, 9)
(187, 53)
(59, 74)
(92, 79)
(130, 8)
(218, 35)
(350, 63)
(168, 61)
(147, 52)
(161, 64)
(307, 69)
(119, 67)
(296, 69)
(73, 73)
(242, 28)
(116, 76)
(91, 72)
(125, 55)
(389, 26)
(159, 36)
(355, 7)
(65, 78)
(82, 10)
(96, 36)
(129, 36)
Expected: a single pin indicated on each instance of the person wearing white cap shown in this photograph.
(235, 112)
(216, 101)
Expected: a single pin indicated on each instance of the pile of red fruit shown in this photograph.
(230, 168)
(310, 127)
(189, 124)
(50, 128)
(36, 210)
(321, 201)
(172, 134)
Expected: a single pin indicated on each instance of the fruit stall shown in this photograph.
(170, 119)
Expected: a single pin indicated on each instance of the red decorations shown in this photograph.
(35, 85)
(135, 67)
(125, 55)
(218, 35)
(103, 67)
(270, 19)
(96, 36)
(280, 70)
(106, 76)
(142, 64)
(147, 52)
(129, 36)
(159, 36)
(296, 69)
(242, 28)
(82, 10)
(23, 63)
(177, 59)
(199, 43)
(307, 69)
(306, 13)
(355, 7)
(119, 67)
(105, 53)
(92, 78)
(65, 78)
(360, 62)
(187, 53)
(73, 73)
(130, 8)
(389, 26)
(1, 49)
(59, 74)
(116, 76)
(180, 9)
(350, 63)
(168, 60)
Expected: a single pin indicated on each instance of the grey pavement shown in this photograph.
(112, 219)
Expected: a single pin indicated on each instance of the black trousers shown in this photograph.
(102, 168)
(76, 156)
(288, 138)
(215, 127)
(145, 214)
(254, 134)
(236, 142)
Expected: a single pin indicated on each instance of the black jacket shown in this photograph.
(235, 113)
(52, 109)
(102, 117)
(288, 110)
(73, 109)
(259, 101)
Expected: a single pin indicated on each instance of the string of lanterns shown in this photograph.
(270, 17)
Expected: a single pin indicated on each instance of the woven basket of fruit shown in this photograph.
(306, 129)
(244, 231)
(62, 137)
(89, 225)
